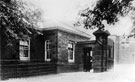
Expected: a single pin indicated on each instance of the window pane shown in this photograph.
(71, 51)
(25, 53)
(47, 46)
(69, 45)
(25, 43)
(24, 50)
(71, 55)
(21, 53)
(48, 54)
(47, 50)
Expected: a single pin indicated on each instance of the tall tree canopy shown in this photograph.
(108, 10)
(17, 20)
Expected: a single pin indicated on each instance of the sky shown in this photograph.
(65, 12)
(59, 10)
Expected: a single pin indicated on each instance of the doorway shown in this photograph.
(87, 59)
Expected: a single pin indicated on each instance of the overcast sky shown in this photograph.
(66, 11)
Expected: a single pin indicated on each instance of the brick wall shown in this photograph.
(52, 36)
(103, 57)
(12, 67)
(80, 52)
(37, 49)
(63, 39)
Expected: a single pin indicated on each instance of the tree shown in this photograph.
(108, 10)
(17, 20)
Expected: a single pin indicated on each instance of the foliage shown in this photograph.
(17, 20)
(108, 10)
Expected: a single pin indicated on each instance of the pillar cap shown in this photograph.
(102, 32)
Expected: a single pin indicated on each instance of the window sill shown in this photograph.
(71, 61)
(47, 60)
(24, 59)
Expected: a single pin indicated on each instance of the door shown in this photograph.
(87, 59)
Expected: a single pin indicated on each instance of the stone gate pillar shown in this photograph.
(0, 52)
(100, 51)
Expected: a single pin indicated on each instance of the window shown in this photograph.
(47, 50)
(91, 53)
(110, 53)
(24, 50)
(122, 42)
(71, 51)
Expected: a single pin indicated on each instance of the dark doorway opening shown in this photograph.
(87, 59)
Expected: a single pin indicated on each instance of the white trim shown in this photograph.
(23, 43)
(46, 51)
(71, 60)
(29, 50)
(91, 53)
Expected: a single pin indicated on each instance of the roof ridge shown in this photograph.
(77, 29)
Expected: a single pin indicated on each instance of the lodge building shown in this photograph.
(56, 50)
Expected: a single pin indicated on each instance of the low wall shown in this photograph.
(27, 69)
(69, 68)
